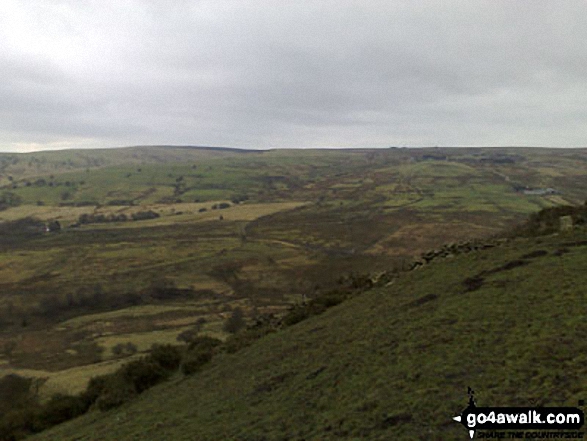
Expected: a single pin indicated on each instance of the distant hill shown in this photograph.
(391, 364)
(41, 163)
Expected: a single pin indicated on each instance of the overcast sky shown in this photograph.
(280, 73)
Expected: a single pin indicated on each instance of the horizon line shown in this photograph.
(266, 149)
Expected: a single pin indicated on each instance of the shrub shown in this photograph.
(112, 391)
(194, 360)
(120, 202)
(143, 374)
(121, 217)
(166, 356)
(60, 408)
(316, 306)
(24, 415)
(237, 199)
(235, 322)
(188, 335)
(296, 314)
(200, 351)
(124, 349)
(54, 226)
(96, 387)
(14, 392)
(204, 342)
(327, 300)
(164, 289)
(18, 423)
(8, 199)
(473, 283)
(245, 338)
(144, 215)
(21, 229)
(84, 219)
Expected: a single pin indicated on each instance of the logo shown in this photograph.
(519, 420)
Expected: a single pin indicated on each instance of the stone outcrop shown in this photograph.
(453, 249)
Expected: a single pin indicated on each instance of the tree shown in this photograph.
(53, 226)
(235, 322)
(8, 199)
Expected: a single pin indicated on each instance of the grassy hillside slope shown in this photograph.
(255, 230)
(392, 363)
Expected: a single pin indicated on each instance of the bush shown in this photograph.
(143, 374)
(245, 338)
(327, 300)
(190, 335)
(235, 322)
(118, 202)
(8, 199)
(25, 416)
(166, 356)
(204, 342)
(18, 423)
(111, 391)
(200, 351)
(21, 229)
(296, 314)
(60, 408)
(14, 391)
(315, 306)
(85, 219)
(121, 217)
(239, 198)
(194, 360)
(96, 386)
(473, 283)
(144, 215)
(54, 226)
(124, 349)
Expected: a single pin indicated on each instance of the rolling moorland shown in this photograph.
(105, 253)
(391, 363)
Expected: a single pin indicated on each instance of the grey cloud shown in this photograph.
(265, 73)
